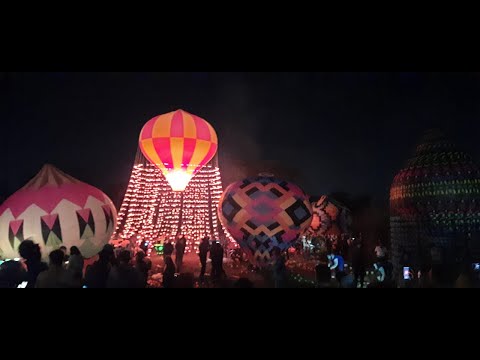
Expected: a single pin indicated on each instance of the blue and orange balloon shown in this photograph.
(179, 144)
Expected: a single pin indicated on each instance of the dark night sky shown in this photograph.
(339, 131)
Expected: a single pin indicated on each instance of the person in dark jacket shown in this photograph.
(179, 252)
(279, 268)
(12, 274)
(96, 274)
(168, 273)
(75, 263)
(124, 275)
(30, 251)
(110, 250)
(323, 274)
(167, 249)
(204, 248)
(57, 276)
(216, 254)
(358, 264)
(143, 265)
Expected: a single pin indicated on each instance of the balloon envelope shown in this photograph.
(262, 213)
(55, 209)
(179, 144)
(329, 218)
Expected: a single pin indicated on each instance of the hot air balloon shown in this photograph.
(179, 144)
(55, 209)
(262, 213)
(329, 218)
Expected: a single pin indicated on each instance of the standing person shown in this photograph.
(132, 243)
(75, 263)
(96, 275)
(168, 272)
(305, 248)
(337, 266)
(279, 268)
(180, 251)
(380, 252)
(358, 264)
(144, 246)
(322, 271)
(202, 253)
(216, 254)
(110, 250)
(167, 249)
(143, 265)
(384, 273)
(56, 276)
(124, 275)
(64, 249)
(30, 251)
(12, 274)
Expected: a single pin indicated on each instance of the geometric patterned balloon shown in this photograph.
(264, 212)
(329, 218)
(55, 209)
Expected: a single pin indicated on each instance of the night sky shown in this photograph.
(347, 132)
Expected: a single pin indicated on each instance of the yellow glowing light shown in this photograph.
(178, 179)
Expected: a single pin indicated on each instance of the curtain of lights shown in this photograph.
(151, 210)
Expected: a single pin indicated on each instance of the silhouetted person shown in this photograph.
(12, 273)
(167, 248)
(30, 251)
(204, 248)
(384, 273)
(168, 272)
(279, 268)
(358, 264)
(124, 275)
(110, 250)
(75, 263)
(143, 265)
(96, 274)
(56, 276)
(144, 246)
(216, 254)
(322, 272)
(64, 249)
(179, 252)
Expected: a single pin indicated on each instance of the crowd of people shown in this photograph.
(424, 273)
(131, 268)
(121, 267)
(67, 271)
(331, 254)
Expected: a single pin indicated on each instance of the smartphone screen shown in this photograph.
(476, 266)
(22, 285)
(406, 273)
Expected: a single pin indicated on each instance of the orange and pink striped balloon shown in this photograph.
(179, 144)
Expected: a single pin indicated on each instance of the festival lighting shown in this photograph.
(153, 211)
